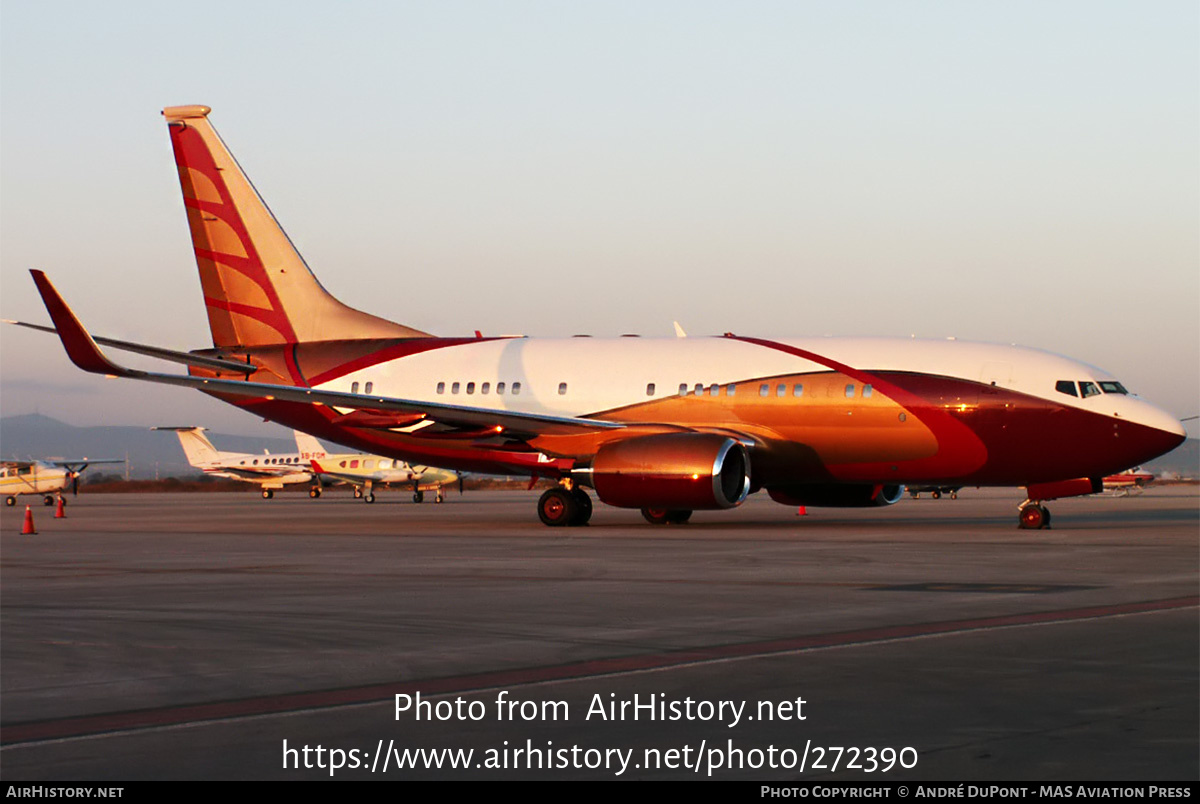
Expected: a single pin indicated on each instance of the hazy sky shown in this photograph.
(1021, 172)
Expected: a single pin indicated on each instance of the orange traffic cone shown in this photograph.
(60, 510)
(802, 511)
(27, 528)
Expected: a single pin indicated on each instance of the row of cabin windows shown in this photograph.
(486, 388)
(369, 463)
(1086, 388)
(764, 389)
(272, 461)
(366, 389)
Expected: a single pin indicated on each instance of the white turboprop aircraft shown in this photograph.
(667, 426)
(274, 471)
(47, 477)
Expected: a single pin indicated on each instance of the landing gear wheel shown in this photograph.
(357, 493)
(314, 492)
(1034, 517)
(369, 497)
(935, 494)
(557, 508)
(954, 496)
(268, 494)
(583, 507)
(418, 496)
(48, 500)
(679, 517)
(441, 496)
(10, 501)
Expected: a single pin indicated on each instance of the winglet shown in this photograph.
(80, 347)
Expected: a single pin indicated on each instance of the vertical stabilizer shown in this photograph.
(308, 447)
(199, 450)
(257, 288)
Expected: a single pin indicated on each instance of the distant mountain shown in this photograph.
(1184, 460)
(150, 453)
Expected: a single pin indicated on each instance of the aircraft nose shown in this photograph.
(1157, 431)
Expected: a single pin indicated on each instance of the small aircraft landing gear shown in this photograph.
(418, 496)
(1034, 516)
(369, 497)
(267, 494)
(10, 501)
(314, 492)
(358, 492)
(441, 496)
(48, 499)
(565, 507)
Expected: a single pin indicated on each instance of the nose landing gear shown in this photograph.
(1033, 516)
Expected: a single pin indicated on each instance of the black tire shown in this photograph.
(679, 516)
(357, 493)
(314, 493)
(10, 501)
(1033, 517)
(48, 500)
(267, 494)
(935, 494)
(369, 497)
(656, 516)
(418, 496)
(557, 508)
(583, 507)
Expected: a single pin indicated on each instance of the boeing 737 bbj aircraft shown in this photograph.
(667, 426)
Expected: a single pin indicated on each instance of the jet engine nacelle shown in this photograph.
(671, 470)
(836, 495)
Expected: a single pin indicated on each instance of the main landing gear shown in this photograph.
(1034, 516)
(565, 507)
(666, 516)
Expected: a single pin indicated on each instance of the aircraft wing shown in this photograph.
(85, 354)
(260, 472)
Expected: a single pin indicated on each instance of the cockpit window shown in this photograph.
(1110, 387)
(1088, 389)
(1065, 387)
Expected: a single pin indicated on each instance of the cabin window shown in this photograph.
(454, 388)
(1065, 387)
(483, 389)
(516, 388)
(354, 464)
(764, 390)
(649, 389)
(1110, 387)
(367, 388)
(730, 389)
(441, 387)
(470, 388)
(342, 464)
(500, 388)
(369, 464)
(867, 391)
(386, 463)
(781, 389)
(683, 389)
(255, 462)
(850, 391)
(354, 387)
(562, 389)
(714, 390)
(798, 390)
(1087, 389)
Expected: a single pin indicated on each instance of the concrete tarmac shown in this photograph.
(221, 636)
